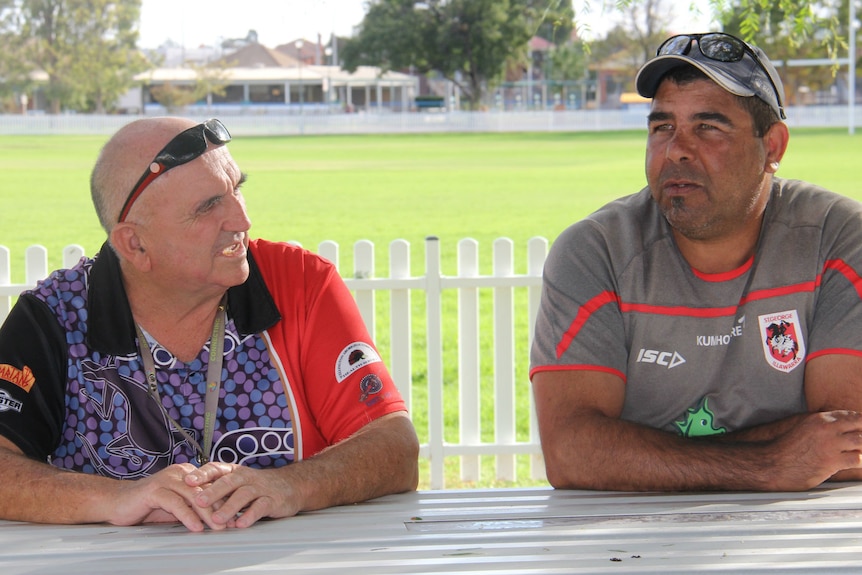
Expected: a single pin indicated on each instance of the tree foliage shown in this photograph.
(800, 21)
(14, 72)
(818, 26)
(466, 41)
(648, 22)
(472, 42)
(780, 35)
(786, 30)
(87, 48)
(210, 80)
(568, 62)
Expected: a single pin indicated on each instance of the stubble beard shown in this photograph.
(683, 221)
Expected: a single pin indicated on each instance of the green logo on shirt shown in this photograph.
(698, 422)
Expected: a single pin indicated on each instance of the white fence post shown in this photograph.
(537, 252)
(36, 264)
(468, 358)
(329, 250)
(72, 254)
(400, 322)
(433, 293)
(363, 268)
(504, 358)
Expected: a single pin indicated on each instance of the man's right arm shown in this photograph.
(587, 446)
(40, 493)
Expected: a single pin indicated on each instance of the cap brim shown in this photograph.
(650, 75)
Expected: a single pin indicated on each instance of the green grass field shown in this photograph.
(382, 188)
(346, 188)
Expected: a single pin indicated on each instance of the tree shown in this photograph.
(643, 27)
(566, 68)
(568, 62)
(468, 42)
(648, 21)
(106, 57)
(472, 42)
(211, 79)
(800, 20)
(87, 48)
(777, 34)
(14, 73)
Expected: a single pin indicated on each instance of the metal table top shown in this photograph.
(498, 531)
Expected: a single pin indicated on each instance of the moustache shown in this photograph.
(680, 174)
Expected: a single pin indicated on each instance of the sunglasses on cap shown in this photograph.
(185, 147)
(720, 47)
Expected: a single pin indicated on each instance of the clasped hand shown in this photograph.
(216, 495)
(821, 446)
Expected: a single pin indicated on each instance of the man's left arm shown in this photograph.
(379, 459)
(833, 368)
(833, 382)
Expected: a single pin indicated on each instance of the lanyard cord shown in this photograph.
(213, 383)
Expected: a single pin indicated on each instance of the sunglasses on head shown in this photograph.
(721, 48)
(185, 147)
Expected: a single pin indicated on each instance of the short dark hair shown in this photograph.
(762, 114)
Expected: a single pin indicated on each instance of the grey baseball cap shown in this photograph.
(737, 67)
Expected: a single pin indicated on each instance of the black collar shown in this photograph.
(111, 328)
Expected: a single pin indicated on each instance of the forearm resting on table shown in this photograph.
(601, 452)
(37, 492)
(381, 458)
(605, 453)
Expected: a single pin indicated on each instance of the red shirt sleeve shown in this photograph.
(336, 380)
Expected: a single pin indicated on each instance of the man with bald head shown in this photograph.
(232, 379)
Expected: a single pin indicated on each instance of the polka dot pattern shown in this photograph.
(114, 428)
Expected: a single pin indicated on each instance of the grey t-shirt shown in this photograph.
(703, 354)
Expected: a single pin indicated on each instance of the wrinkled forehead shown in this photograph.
(219, 160)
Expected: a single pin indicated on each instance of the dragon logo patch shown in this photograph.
(781, 336)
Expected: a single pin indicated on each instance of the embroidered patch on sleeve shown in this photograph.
(353, 357)
(370, 385)
(23, 378)
(7, 402)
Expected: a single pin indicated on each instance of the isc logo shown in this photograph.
(667, 359)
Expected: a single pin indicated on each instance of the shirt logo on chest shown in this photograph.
(781, 337)
(668, 359)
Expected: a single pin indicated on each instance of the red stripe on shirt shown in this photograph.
(781, 291)
(713, 312)
(607, 297)
(833, 351)
(578, 367)
(726, 276)
(678, 310)
(584, 313)
(848, 272)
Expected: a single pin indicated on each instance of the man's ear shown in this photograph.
(130, 246)
(775, 140)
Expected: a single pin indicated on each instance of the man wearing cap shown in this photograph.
(704, 333)
(188, 373)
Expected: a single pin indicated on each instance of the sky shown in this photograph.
(193, 23)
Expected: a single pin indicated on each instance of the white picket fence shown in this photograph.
(503, 282)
